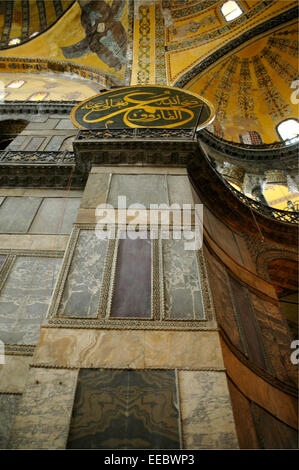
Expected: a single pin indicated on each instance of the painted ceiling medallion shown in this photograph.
(143, 107)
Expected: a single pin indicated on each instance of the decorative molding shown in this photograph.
(19, 349)
(33, 64)
(36, 157)
(36, 107)
(104, 321)
(254, 153)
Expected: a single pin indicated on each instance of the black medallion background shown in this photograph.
(142, 107)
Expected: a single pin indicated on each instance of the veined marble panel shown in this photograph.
(25, 297)
(45, 410)
(179, 189)
(142, 189)
(95, 191)
(17, 213)
(206, 413)
(13, 373)
(55, 215)
(81, 293)
(8, 411)
(125, 409)
(141, 349)
(182, 291)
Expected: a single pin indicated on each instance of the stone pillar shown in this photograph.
(253, 187)
(159, 341)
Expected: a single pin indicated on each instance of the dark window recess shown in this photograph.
(243, 310)
(132, 284)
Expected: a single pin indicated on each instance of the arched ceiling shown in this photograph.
(46, 87)
(163, 42)
(92, 33)
(22, 18)
(251, 87)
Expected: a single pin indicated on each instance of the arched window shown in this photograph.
(231, 10)
(250, 138)
(288, 131)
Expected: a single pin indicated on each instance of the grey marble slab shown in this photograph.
(8, 410)
(82, 288)
(17, 213)
(56, 215)
(142, 189)
(34, 144)
(25, 297)
(182, 291)
(95, 191)
(179, 190)
(48, 124)
(2, 260)
(65, 124)
(206, 413)
(55, 143)
(17, 143)
(44, 413)
(1, 199)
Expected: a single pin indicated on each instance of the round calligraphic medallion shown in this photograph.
(143, 106)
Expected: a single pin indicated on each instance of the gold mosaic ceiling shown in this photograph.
(251, 87)
(161, 41)
(22, 19)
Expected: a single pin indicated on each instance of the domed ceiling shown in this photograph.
(254, 87)
(22, 19)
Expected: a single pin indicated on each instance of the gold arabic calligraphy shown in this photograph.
(171, 111)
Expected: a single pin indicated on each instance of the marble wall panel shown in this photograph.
(45, 410)
(142, 189)
(25, 297)
(179, 190)
(13, 373)
(81, 293)
(48, 124)
(182, 290)
(243, 309)
(55, 215)
(55, 143)
(132, 284)
(34, 144)
(17, 143)
(2, 260)
(17, 213)
(65, 124)
(8, 411)
(141, 349)
(206, 413)
(1, 199)
(125, 410)
(95, 191)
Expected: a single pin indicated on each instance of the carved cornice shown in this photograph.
(251, 153)
(134, 146)
(39, 107)
(235, 210)
(230, 46)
